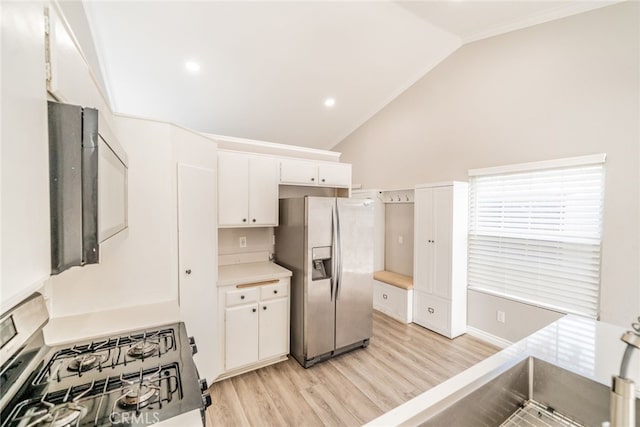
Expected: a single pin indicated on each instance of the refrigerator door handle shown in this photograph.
(338, 249)
(334, 255)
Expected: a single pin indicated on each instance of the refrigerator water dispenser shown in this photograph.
(321, 263)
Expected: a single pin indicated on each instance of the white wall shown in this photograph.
(398, 257)
(25, 233)
(139, 267)
(259, 239)
(560, 89)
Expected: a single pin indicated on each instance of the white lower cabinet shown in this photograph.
(393, 301)
(241, 336)
(256, 325)
(274, 325)
(432, 312)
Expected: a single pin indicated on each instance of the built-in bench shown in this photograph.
(393, 295)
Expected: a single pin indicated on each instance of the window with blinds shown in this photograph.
(535, 232)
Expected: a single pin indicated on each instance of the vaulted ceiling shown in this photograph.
(265, 69)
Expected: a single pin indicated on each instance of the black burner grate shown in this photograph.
(104, 402)
(76, 361)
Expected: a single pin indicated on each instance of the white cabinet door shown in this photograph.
(247, 190)
(442, 216)
(274, 328)
(423, 247)
(263, 191)
(197, 246)
(300, 172)
(241, 336)
(334, 175)
(233, 189)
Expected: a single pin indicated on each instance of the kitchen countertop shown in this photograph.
(586, 347)
(63, 330)
(250, 272)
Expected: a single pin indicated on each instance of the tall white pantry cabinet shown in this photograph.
(440, 257)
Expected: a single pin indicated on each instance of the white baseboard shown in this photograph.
(485, 336)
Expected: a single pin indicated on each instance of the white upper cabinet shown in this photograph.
(298, 172)
(247, 190)
(312, 173)
(334, 174)
(263, 190)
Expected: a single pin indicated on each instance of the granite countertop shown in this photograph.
(250, 272)
(583, 346)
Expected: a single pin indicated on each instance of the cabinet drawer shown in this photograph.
(432, 312)
(277, 290)
(241, 296)
(393, 301)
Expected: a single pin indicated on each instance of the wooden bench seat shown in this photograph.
(396, 279)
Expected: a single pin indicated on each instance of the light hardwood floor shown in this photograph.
(401, 362)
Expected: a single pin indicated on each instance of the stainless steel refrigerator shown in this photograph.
(327, 243)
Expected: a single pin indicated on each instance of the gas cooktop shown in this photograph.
(137, 378)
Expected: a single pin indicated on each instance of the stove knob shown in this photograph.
(206, 399)
(192, 344)
(203, 384)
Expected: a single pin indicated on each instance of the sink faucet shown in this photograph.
(623, 393)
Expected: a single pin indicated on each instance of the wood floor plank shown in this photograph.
(226, 408)
(330, 410)
(387, 359)
(368, 383)
(401, 362)
(257, 403)
(288, 399)
(362, 408)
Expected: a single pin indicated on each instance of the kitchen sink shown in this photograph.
(532, 393)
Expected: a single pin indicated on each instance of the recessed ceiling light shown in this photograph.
(192, 66)
(329, 102)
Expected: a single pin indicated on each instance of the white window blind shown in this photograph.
(535, 232)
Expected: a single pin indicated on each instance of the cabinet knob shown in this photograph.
(275, 291)
(384, 296)
(244, 219)
(253, 309)
(264, 307)
(313, 179)
(241, 296)
(254, 220)
(322, 179)
(431, 310)
(188, 271)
